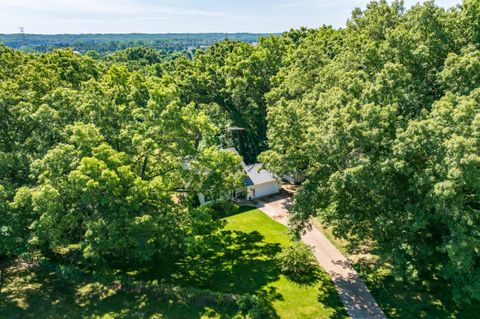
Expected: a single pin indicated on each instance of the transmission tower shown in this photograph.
(22, 33)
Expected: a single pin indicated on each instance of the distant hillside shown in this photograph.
(104, 43)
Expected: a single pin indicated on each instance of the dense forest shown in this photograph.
(382, 118)
(108, 43)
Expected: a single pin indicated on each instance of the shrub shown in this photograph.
(298, 264)
(225, 208)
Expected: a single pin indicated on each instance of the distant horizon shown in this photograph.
(51, 17)
(149, 33)
(102, 42)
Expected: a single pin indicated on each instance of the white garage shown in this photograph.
(260, 182)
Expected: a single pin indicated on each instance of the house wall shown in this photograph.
(262, 190)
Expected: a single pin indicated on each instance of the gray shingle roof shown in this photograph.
(256, 175)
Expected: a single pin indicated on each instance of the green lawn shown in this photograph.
(236, 260)
(405, 300)
(289, 299)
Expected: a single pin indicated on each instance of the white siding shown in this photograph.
(262, 190)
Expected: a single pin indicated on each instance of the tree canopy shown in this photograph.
(92, 160)
(101, 157)
(381, 119)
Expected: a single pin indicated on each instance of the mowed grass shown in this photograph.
(289, 299)
(427, 299)
(30, 293)
(238, 260)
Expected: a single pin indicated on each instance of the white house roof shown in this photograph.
(257, 175)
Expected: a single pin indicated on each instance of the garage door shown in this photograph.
(266, 189)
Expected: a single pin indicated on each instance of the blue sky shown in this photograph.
(163, 16)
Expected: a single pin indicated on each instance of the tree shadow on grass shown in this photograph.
(427, 299)
(328, 295)
(228, 262)
(307, 279)
(28, 294)
(231, 261)
(36, 293)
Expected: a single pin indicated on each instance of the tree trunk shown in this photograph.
(144, 166)
(2, 276)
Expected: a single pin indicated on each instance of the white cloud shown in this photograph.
(117, 16)
(73, 16)
(112, 7)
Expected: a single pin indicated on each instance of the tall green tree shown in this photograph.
(382, 124)
(92, 161)
(235, 76)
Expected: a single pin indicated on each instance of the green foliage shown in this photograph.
(5, 226)
(225, 208)
(461, 73)
(107, 154)
(235, 77)
(448, 135)
(92, 155)
(239, 280)
(381, 119)
(113, 42)
(298, 263)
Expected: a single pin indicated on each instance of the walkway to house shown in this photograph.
(353, 292)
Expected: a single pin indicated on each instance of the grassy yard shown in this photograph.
(288, 299)
(403, 300)
(238, 260)
(42, 294)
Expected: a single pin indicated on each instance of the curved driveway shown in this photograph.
(353, 292)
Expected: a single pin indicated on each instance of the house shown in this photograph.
(258, 182)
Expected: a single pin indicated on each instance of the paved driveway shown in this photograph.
(353, 292)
